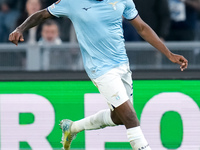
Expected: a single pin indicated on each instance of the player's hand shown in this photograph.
(183, 62)
(16, 36)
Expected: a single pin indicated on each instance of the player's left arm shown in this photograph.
(151, 37)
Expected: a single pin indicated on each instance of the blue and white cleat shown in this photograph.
(67, 135)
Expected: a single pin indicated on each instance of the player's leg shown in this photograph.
(111, 87)
(126, 115)
(99, 120)
(119, 118)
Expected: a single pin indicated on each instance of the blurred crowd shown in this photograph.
(172, 20)
(55, 30)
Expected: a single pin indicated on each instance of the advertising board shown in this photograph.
(30, 113)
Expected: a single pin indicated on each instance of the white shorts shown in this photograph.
(116, 85)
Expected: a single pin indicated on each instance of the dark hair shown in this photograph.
(50, 22)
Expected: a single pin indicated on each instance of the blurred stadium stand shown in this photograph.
(142, 56)
(64, 62)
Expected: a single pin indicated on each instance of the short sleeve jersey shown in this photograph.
(98, 26)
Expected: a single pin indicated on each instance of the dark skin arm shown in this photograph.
(151, 37)
(35, 19)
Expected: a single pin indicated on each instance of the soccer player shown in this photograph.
(98, 25)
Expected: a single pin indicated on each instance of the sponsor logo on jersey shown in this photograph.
(86, 9)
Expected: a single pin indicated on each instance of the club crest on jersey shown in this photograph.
(114, 5)
(57, 2)
(52, 6)
(116, 96)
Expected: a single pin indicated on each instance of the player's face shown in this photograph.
(50, 32)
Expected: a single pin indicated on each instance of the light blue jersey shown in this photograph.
(98, 26)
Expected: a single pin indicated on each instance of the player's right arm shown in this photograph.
(33, 20)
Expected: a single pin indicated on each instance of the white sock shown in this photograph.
(99, 120)
(137, 139)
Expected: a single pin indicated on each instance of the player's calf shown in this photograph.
(127, 115)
